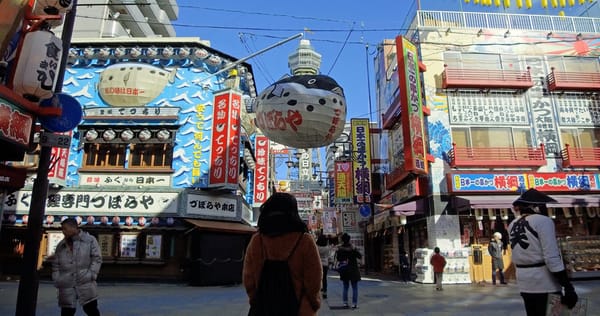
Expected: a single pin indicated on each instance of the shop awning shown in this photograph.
(221, 226)
(505, 201)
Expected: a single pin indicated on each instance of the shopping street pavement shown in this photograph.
(377, 296)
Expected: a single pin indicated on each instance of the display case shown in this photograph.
(421, 266)
(457, 266)
(581, 256)
(456, 270)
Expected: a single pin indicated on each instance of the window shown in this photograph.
(481, 61)
(104, 155)
(150, 155)
(581, 137)
(483, 137)
(141, 156)
(574, 64)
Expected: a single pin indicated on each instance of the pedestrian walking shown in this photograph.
(495, 249)
(404, 266)
(75, 267)
(438, 262)
(325, 254)
(347, 257)
(283, 236)
(535, 252)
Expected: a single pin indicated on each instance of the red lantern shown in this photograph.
(36, 71)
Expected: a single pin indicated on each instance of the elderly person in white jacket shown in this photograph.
(76, 264)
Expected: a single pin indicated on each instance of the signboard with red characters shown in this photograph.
(513, 182)
(58, 170)
(261, 171)
(224, 154)
(15, 124)
(233, 138)
(218, 153)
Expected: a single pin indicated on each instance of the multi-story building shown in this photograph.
(500, 103)
(160, 169)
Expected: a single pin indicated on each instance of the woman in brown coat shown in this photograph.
(280, 229)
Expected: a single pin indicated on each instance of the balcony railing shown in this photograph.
(486, 78)
(573, 81)
(497, 157)
(580, 157)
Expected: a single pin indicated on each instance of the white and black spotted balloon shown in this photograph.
(306, 111)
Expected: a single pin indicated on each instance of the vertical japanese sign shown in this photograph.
(218, 152)
(197, 161)
(343, 181)
(233, 138)
(361, 166)
(411, 107)
(261, 171)
(58, 172)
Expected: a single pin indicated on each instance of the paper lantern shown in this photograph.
(201, 53)
(132, 84)
(144, 135)
(141, 221)
(104, 220)
(305, 111)
(36, 71)
(127, 135)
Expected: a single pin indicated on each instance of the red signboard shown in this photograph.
(233, 138)
(411, 107)
(15, 124)
(261, 171)
(58, 170)
(219, 142)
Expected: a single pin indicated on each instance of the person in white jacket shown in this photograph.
(535, 253)
(325, 251)
(75, 267)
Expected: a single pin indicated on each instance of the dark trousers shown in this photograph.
(324, 284)
(501, 276)
(90, 309)
(535, 303)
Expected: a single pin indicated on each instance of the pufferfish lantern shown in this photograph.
(305, 111)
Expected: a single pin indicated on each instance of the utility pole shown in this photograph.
(30, 279)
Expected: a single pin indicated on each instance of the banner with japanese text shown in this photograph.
(361, 164)
(411, 107)
(343, 181)
(261, 171)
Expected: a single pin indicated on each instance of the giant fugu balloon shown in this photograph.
(305, 111)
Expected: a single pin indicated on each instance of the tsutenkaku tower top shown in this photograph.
(305, 60)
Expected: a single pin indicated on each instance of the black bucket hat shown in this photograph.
(534, 197)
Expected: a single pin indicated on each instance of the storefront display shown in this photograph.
(455, 272)
(581, 256)
(457, 266)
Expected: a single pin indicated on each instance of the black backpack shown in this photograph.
(275, 295)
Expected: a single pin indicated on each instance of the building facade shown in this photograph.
(509, 102)
(161, 168)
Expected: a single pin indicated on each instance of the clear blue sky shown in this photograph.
(341, 33)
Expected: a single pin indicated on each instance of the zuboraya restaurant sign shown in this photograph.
(104, 202)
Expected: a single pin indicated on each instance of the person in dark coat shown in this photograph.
(495, 250)
(404, 266)
(351, 274)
